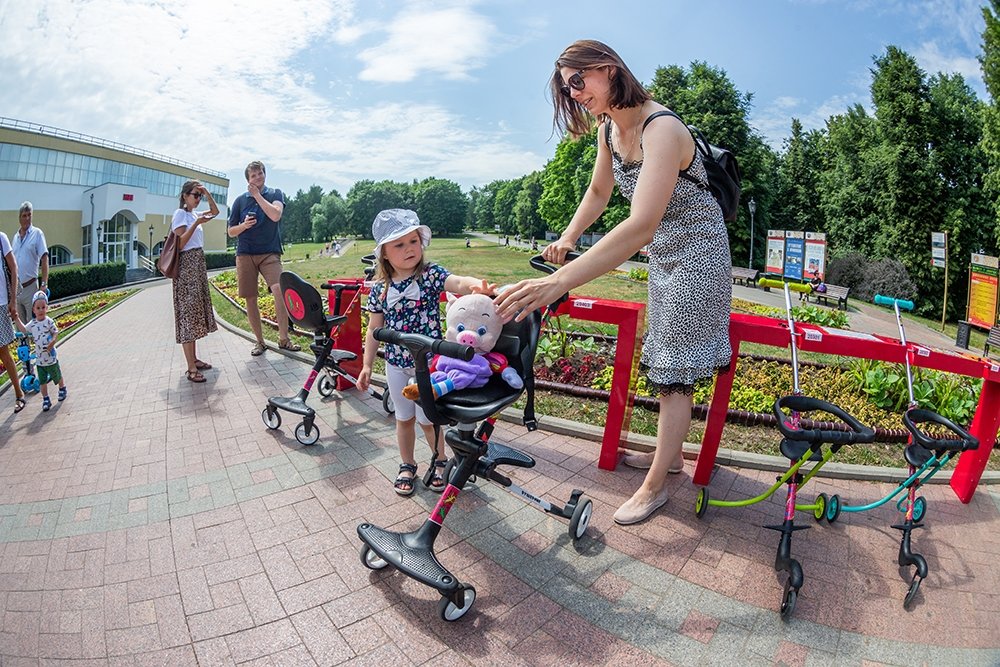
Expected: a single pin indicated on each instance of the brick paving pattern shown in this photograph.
(149, 520)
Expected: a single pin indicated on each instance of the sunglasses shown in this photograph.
(196, 195)
(575, 82)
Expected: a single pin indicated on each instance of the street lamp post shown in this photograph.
(149, 248)
(752, 205)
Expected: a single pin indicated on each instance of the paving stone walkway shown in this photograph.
(148, 520)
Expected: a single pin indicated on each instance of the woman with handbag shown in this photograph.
(193, 315)
(651, 156)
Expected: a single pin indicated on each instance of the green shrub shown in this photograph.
(824, 317)
(847, 271)
(79, 279)
(639, 275)
(221, 260)
(888, 277)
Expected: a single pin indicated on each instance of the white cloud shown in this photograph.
(774, 120)
(450, 41)
(217, 85)
(932, 60)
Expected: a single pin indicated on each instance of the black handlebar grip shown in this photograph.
(859, 433)
(915, 416)
(420, 345)
(539, 264)
(455, 350)
(340, 287)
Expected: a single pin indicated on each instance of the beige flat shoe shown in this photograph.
(634, 511)
(644, 461)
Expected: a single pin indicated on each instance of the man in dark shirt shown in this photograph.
(253, 222)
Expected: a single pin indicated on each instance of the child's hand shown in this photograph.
(364, 378)
(489, 289)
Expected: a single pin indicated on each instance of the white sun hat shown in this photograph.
(394, 223)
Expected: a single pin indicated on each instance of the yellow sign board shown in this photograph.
(982, 307)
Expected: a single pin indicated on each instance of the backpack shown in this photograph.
(720, 165)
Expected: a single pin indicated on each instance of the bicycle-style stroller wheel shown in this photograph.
(272, 418)
(833, 508)
(919, 508)
(449, 611)
(372, 560)
(819, 512)
(701, 503)
(387, 402)
(326, 386)
(307, 437)
(581, 518)
(788, 600)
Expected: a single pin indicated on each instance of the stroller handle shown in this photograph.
(882, 300)
(539, 264)
(915, 416)
(858, 433)
(420, 345)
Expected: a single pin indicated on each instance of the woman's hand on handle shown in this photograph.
(555, 252)
(518, 300)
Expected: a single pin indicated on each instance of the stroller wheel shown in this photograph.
(788, 601)
(272, 419)
(701, 503)
(449, 611)
(387, 402)
(581, 518)
(307, 437)
(820, 510)
(326, 386)
(372, 560)
(833, 508)
(919, 508)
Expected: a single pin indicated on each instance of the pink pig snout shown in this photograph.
(468, 338)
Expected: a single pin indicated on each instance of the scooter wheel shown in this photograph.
(306, 437)
(272, 420)
(581, 518)
(819, 512)
(919, 508)
(449, 611)
(26, 383)
(833, 508)
(912, 592)
(701, 503)
(326, 386)
(788, 601)
(387, 402)
(372, 560)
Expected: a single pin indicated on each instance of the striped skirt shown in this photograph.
(193, 315)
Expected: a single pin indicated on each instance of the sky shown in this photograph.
(330, 92)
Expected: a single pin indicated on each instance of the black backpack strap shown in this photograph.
(607, 133)
(657, 115)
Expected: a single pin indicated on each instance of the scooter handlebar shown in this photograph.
(882, 300)
(858, 433)
(420, 345)
(770, 282)
(915, 416)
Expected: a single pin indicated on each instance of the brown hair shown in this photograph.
(256, 164)
(586, 54)
(188, 188)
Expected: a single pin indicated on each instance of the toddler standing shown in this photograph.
(44, 331)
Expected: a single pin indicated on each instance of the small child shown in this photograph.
(44, 331)
(406, 296)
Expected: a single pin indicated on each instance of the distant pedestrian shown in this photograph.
(468, 242)
(534, 245)
(336, 248)
(507, 242)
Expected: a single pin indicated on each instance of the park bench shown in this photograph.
(992, 340)
(836, 293)
(746, 277)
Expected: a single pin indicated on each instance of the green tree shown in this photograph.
(990, 63)
(529, 223)
(482, 207)
(503, 205)
(798, 205)
(441, 205)
(329, 217)
(366, 198)
(296, 224)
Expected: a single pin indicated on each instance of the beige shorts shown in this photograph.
(249, 266)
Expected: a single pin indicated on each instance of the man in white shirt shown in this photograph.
(31, 254)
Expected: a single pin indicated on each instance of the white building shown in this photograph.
(97, 201)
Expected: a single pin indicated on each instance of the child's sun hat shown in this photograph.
(395, 223)
(39, 295)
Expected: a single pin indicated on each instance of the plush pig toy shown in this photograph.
(472, 320)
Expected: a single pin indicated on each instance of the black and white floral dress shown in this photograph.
(690, 290)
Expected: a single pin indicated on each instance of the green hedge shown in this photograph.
(220, 260)
(80, 279)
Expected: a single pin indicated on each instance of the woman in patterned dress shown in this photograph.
(644, 148)
(193, 315)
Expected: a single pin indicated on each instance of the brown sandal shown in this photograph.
(195, 376)
(202, 366)
(19, 405)
(290, 346)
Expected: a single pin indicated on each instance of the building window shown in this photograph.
(59, 255)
